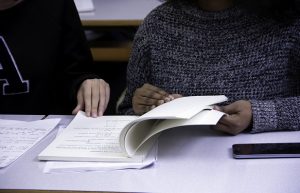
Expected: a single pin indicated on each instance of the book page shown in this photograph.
(133, 143)
(183, 108)
(17, 137)
(89, 139)
(180, 108)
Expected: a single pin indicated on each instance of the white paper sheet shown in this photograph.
(73, 166)
(16, 137)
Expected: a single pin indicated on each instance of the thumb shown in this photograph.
(230, 109)
(218, 108)
(79, 106)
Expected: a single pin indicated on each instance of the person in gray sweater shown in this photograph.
(213, 47)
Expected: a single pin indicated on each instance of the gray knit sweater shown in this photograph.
(188, 51)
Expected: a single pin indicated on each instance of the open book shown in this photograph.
(128, 138)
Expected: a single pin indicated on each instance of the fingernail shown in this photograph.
(153, 106)
(94, 115)
(216, 108)
(88, 114)
(100, 113)
(161, 102)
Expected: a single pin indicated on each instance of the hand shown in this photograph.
(92, 96)
(148, 97)
(238, 118)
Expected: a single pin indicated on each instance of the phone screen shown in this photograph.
(266, 150)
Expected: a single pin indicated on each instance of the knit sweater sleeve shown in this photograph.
(137, 68)
(276, 115)
(281, 113)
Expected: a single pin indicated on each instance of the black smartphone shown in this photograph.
(266, 150)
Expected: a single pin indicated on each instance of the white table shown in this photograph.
(118, 12)
(189, 160)
(114, 15)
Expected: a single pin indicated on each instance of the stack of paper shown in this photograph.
(76, 166)
(61, 166)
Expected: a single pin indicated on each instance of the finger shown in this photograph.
(139, 106)
(231, 124)
(160, 102)
(80, 102)
(87, 92)
(221, 127)
(148, 101)
(224, 128)
(95, 97)
(167, 99)
(230, 109)
(155, 91)
(77, 109)
(153, 94)
(217, 108)
(107, 96)
(144, 108)
(102, 97)
(172, 97)
(175, 96)
(154, 88)
(224, 120)
(148, 104)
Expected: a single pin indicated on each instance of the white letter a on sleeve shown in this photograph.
(11, 79)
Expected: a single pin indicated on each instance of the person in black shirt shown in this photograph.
(45, 62)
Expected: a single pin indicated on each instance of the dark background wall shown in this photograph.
(113, 73)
